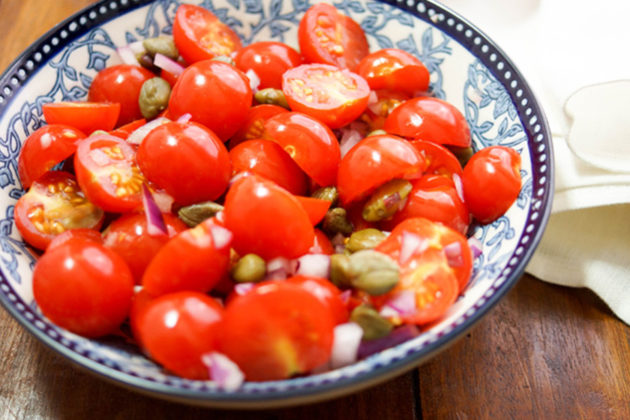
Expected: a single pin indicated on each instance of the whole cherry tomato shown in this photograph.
(326, 292)
(254, 125)
(391, 68)
(268, 59)
(83, 233)
(315, 208)
(84, 116)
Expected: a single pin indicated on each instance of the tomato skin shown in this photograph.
(269, 160)
(45, 148)
(254, 125)
(84, 233)
(492, 182)
(439, 160)
(53, 205)
(277, 330)
(327, 36)
(84, 116)
(200, 35)
(269, 60)
(124, 131)
(216, 94)
(395, 69)
(315, 208)
(83, 287)
(120, 84)
(326, 292)
(178, 329)
(321, 244)
(429, 119)
(266, 220)
(311, 144)
(198, 166)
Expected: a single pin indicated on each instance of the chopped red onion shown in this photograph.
(373, 98)
(475, 246)
(127, 56)
(316, 265)
(410, 245)
(397, 336)
(339, 243)
(345, 296)
(140, 133)
(278, 269)
(167, 64)
(254, 80)
(459, 187)
(243, 288)
(184, 118)
(223, 371)
(346, 341)
(221, 237)
(349, 138)
(453, 252)
(220, 216)
(163, 200)
(403, 303)
(155, 222)
(137, 47)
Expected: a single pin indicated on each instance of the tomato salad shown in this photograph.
(256, 213)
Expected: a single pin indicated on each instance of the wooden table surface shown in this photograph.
(544, 352)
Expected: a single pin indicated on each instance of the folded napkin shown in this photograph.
(573, 55)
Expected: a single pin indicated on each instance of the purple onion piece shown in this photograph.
(184, 118)
(475, 246)
(155, 222)
(346, 342)
(223, 371)
(397, 336)
(316, 265)
(453, 252)
(127, 56)
(167, 64)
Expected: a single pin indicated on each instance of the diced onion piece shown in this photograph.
(346, 341)
(475, 246)
(397, 336)
(167, 64)
(254, 80)
(137, 47)
(278, 268)
(316, 265)
(453, 252)
(221, 237)
(345, 296)
(403, 303)
(410, 245)
(349, 138)
(127, 56)
(372, 98)
(224, 372)
(163, 200)
(243, 288)
(155, 222)
(184, 118)
(140, 133)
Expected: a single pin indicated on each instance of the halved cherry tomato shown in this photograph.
(269, 160)
(376, 112)
(83, 233)
(391, 68)
(120, 84)
(254, 125)
(189, 161)
(139, 303)
(84, 116)
(268, 59)
(53, 205)
(277, 330)
(326, 292)
(314, 207)
(311, 144)
(108, 174)
(327, 36)
(124, 131)
(169, 77)
(200, 35)
(216, 94)
(45, 148)
(83, 287)
(334, 96)
(492, 182)
(439, 160)
(321, 244)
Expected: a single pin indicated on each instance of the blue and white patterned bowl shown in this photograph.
(467, 69)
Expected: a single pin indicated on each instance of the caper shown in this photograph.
(272, 96)
(196, 213)
(386, 200)
(224, 59)
(154, 96)
(463, 154)
(371, 322)
(340, 274)
(146, 61)
(373, 272)
(328, 194)
(365, 239)
(376, 133)
(336, 221)
(249, 269)
(164, 45)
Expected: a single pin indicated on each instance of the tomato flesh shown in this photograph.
(254, 125)
(394, 69)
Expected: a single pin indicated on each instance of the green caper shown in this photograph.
(98, 133)
(196, 213)
(328, 194)
(164, 45)
(386, 200)
(224, 59)
(376, 133)
(365, 239)
(371, 322)
(373, 272)
(340, 274)
(154, 96)
(336, 221)
(272, 96)
(463, 154)
(249, 269)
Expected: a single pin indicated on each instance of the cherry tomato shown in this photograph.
(321, 244)
(83, 233)
(439, 160)
(216, 94)
(139, 303)
(53, 205)
(120, 84)
(268, 59)
(332, 95)
(169, 77)
(376, 112)
(45, 148)
(311, 144)
(206, 252)
(108, 174)
(198, 166)
(254, 125)
(83, 287)
(277, 330)
(314, 207)
(128, 237)
(269, 160)
(394, 69)
(178, 329)
(84, 116)
(429, 119)
(124, 131)
(200, 35)
(266, 220)
(492, 182)
(326, 292)
(374, 161)
(327, 36)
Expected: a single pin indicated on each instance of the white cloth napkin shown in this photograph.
(574, 55)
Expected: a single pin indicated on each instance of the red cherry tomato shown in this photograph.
(327, 36)
(268, 59)
(200, 35)
(334, 96)
(492, 182)
(394, 69)
(311, 144)
(386, 101)
(321, 244)
(254, 125)
(53, 205)
(139, 303)
(277, 330)
(120, 84)
(45, 148)
(128, 237)
(83, 287)
(439, 160)
(178, 329)
(266, 220)
(108, 174)
(314, 207)
(374, 161)
(269, 160)
(216, 94)
(83, 233)
(189, 161)
(430, 119)
(326, 292)
(84, 116)
(124, 131)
